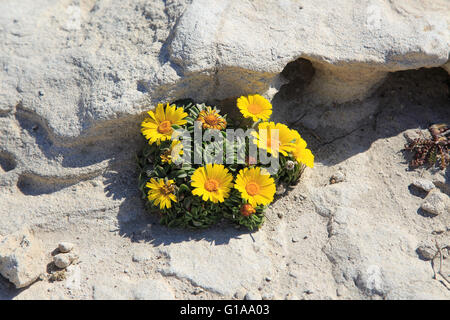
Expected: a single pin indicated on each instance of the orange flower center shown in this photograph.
(212, 185)
(167, 189)
(247, 210)
(211, 119)
(252, 188)
(255, 108)
(165, 127)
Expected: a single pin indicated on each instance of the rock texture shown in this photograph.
(22, 258)
(78, 63)
(356, 78)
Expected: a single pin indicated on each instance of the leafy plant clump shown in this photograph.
(192, 184)
(431, 150)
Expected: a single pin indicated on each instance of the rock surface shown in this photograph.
(152, 290)
(240, 262)
(63, 260)
(425, 185)
(76, 77)
(22, 258)
(436, 203)
(105, 57)
(65, 247)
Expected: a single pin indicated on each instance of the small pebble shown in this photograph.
(436, 203)
(424, 184)
(239, 294)
(63, 260)
(65, 247)
(267, 296)
(426, 252)
(252, 296)
(337, 177)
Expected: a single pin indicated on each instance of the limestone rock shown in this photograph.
(124, 289)
(252, 296)
(424, 184)
(427, 252)
(204, 49)
(65, 247)
(152, 290)
(221, 268)
(63, 260)
(436, 203)
(22, 258)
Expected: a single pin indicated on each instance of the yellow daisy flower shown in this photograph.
(161, 192)
(256, 186)
(283, 144)
(176, 148)
(255, 106)
(211, 119)
(301, 154)
(212, 182)
(158, 127)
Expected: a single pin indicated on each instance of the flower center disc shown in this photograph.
(211, 119)
(252, 188)
(165, 127)
(212, 185)
(167, 190)
(254, 108)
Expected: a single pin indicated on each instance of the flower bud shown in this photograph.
(247, 210)
(290, 165)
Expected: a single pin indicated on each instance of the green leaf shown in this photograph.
(184, 188)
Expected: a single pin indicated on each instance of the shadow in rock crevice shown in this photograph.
(7, 290)
(7, 161)
(405, 100)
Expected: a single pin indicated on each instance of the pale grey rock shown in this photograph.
(76, 77)
(436, 203)
(65, 247)
(240, 294)
(63, 260)
(268, 296)
(73, 277)
(204, 49)
(141, 255)
(22, 258)
(424, 184)
(427, 252)
(106, 292)
(221, 269)
(252, 296)
(124, 289)
(342, 72)
(152, 290)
